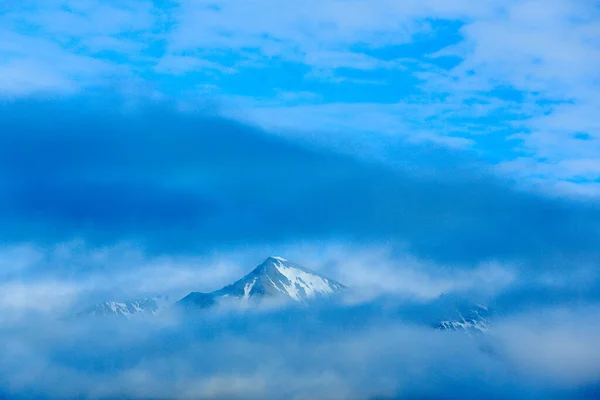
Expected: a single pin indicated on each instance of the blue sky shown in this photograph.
(512, 82)
(409, 149)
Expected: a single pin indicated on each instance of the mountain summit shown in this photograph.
(276, 277)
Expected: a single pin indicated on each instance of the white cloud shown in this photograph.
(559, 345)
(18, 299)
(375, 271)
(53, 280)
(545, 52)
(54, 46)
(296, 30)
(16, 259)
(65, 19)
(548, 50)
(415, 122)
(312, 355)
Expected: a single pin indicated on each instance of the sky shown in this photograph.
(513, 82)
(409, 149)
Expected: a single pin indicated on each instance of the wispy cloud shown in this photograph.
(67, 46)
(514, 75)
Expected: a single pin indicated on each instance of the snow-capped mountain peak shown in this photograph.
(147, 305)
(276, 277)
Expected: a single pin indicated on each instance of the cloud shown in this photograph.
(296, 32)
(66, 46)
(555, 344)
(66, 278)
(374, 346)
(83, 20)
(24, 73)
(19, 299)
(508, 80)
(332, 353)
(546, 52)
(182, 64)
(182, 182)
(374, 270)
(535, 57)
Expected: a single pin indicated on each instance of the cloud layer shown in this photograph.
(187, 182)
(513, 81)
(332, 353)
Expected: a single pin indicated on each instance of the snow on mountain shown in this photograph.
(148, 305)
(472, 321)
(276, 277)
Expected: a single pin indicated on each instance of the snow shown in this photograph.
(275, 286)
(300, 280)
(475, 323)
(127, 309)
(248, 288)
(467, 326)
(136, 306)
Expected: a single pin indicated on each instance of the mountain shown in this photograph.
(472, 320)
(275, 278)
(147, 305)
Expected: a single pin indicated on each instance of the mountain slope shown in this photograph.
(474, 320)
(148, 305)
(276, 277)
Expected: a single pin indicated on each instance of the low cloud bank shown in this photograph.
(377, 341)
(328, 352)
